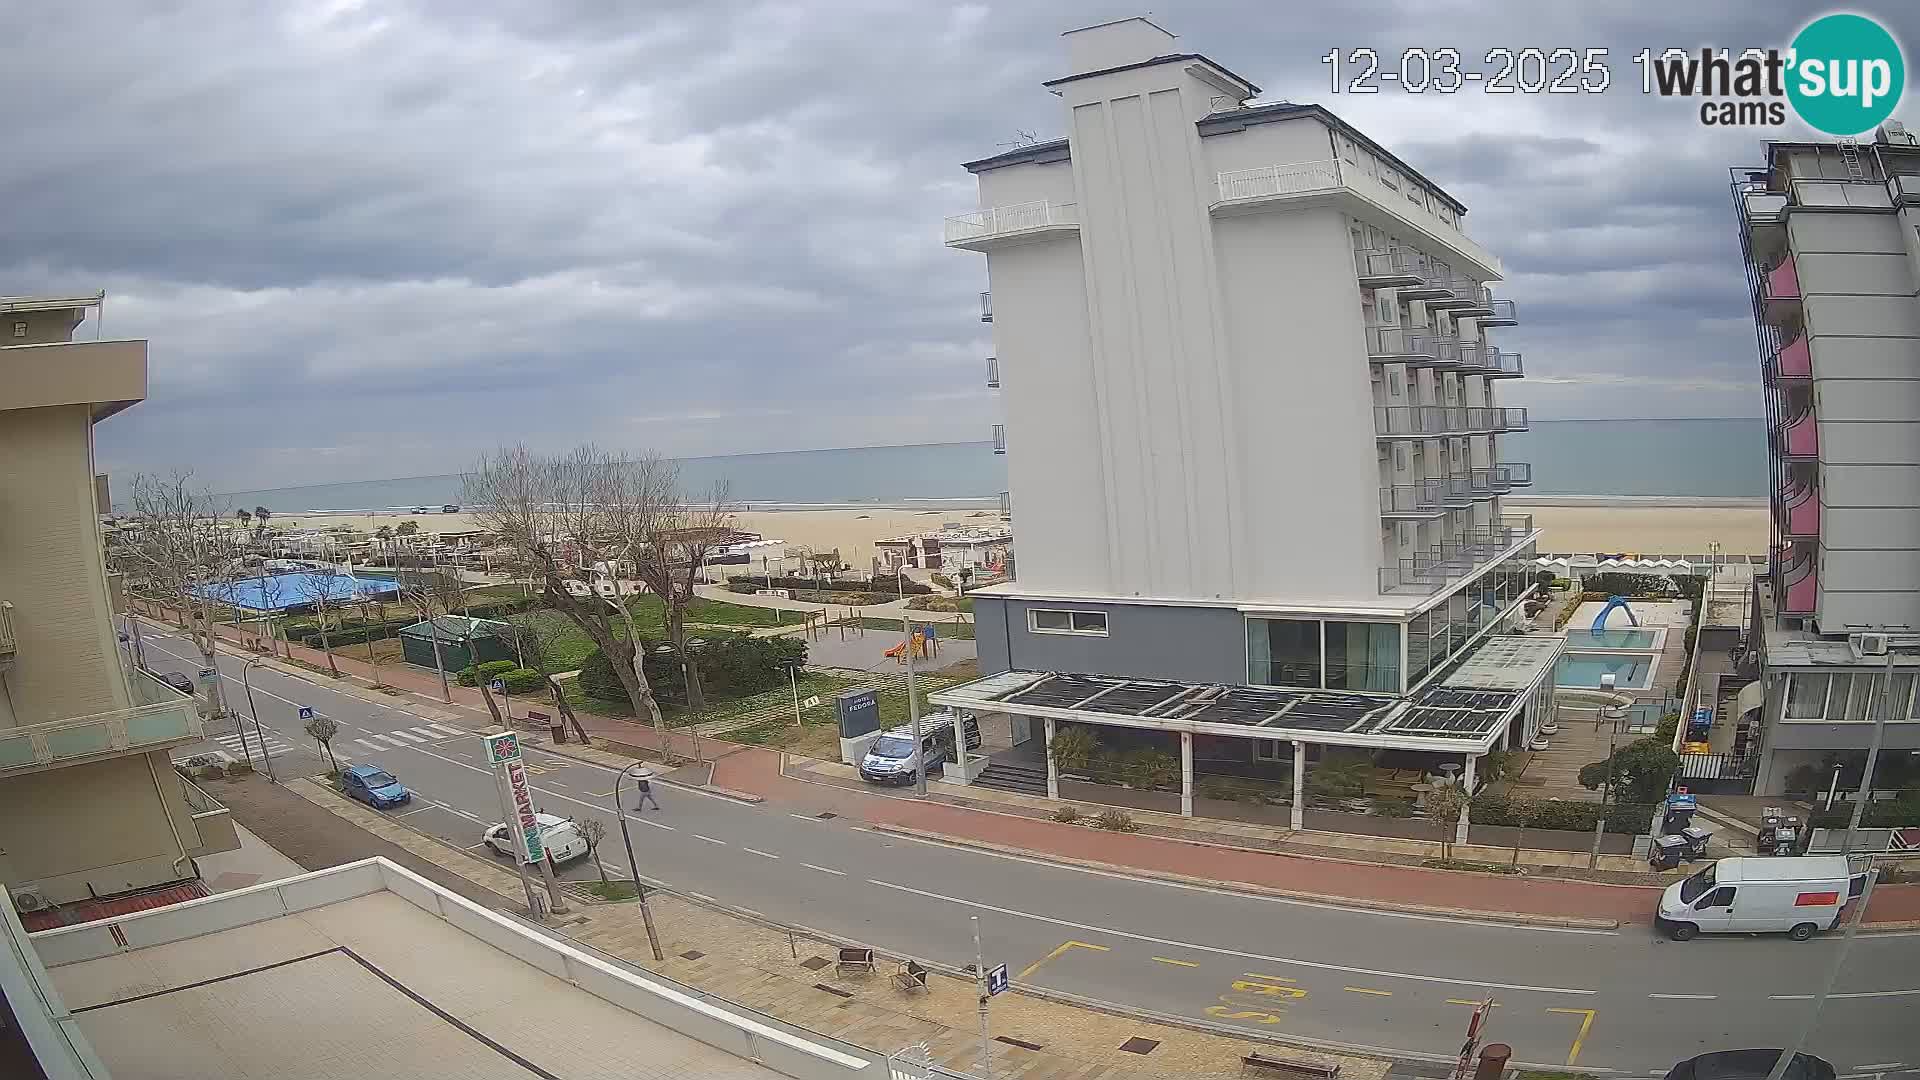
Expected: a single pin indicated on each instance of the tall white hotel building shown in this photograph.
(1252, 377)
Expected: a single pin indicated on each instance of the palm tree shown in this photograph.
(246, 519)
(261, 515)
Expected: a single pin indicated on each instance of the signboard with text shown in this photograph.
(516, 797)
(502, 746)
(859, 713)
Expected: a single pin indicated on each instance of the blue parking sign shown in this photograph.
(996, 979)
(306, 712)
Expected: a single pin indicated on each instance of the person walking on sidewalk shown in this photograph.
(644, 781)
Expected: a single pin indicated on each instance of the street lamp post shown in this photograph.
(1865, 791)
(793, 679)
(633, 867)
(254, 713)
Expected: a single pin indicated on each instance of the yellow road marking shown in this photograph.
(1257, 987)
(1463, 1001)
(1040, 963)
(1175, 963)
(1586, 1025)
(1269, 978)
(1364, 990)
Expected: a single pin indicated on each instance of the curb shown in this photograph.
(1217, 845)
(1521, 918)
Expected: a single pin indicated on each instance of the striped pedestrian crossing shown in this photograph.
(408, 736)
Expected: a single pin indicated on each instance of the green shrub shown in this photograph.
(730, 667)
(240, 768)
(1464, 864)
(1115, 821)
(1073, 747)
(485, 673)
(1393, 808)
(1559, 814)
(519, 680)
(1339, 776)
(942, 580)
(1067, 815)
(1616, 583)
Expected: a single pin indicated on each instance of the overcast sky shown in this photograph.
(372, 239)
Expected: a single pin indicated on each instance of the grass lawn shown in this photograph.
(779, 730)
(962, 631)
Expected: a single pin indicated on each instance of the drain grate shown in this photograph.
(826, 815)
(1138, 1045)
(1021, 1043)
(692, 954)
(814, 963)
(837, 992)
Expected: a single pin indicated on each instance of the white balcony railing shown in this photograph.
(1313, 177)
(7, 643)
(1013, 218)
(147, 727)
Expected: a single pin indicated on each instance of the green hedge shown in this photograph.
(1571, 816)
(487, 672)
(731, 667)
(359, 634)
(891, 585)
(1900, 813)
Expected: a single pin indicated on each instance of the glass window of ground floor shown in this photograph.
(1322, 654)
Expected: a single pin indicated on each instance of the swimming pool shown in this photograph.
(1613, 639)
(1631, 671)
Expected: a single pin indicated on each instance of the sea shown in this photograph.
(1644, 460)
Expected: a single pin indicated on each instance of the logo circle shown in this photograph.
(1848, 74)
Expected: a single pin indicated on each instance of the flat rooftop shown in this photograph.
(368, 981)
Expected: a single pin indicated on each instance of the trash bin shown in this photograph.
(1668, 852)
(1696, 838)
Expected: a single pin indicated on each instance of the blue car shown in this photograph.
(374, 786)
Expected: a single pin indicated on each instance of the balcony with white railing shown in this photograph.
(986, 307)
(1421, 499)
(999, 438)
(993, 373)
(212, 821)
(1500, 313)
(1411, 346)
(58, 743)
(8, 645)
(1438, 421)
(1389, 269)
(1016, 223)
(1251, 190)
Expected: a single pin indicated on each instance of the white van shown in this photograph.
(1749, 894)
(560, 836)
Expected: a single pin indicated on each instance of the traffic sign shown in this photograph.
(207, 673)
(996, 979)
(306, 712)
(811, 703)
(498, 686)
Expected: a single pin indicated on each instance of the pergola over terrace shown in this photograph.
(1468, 711)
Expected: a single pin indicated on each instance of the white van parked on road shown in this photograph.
(560, 836)
(1795, 895)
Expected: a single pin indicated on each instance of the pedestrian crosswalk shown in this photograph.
(234, 749)
(401, 738)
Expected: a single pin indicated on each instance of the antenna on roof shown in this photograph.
(1021, 137)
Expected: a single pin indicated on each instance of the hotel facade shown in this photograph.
(1831, 236)
(1252, 381)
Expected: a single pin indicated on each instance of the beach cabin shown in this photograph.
(463, 642)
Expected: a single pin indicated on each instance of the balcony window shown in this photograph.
(1314, 655)
(1065, 621)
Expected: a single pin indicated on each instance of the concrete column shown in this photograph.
(1186, 774)
(1299, 785)
(960, 745)
(1466, 780)
(1053, 771)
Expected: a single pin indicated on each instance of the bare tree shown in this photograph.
(1444, 804)
(274, 595)
(671, 541)
(323, 729)
(183, 556)
(430, 594)
(593, 831)
(367, 623)
(566, 518)
(322, 593)
(534, 640)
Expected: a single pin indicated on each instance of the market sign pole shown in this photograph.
(516, 806)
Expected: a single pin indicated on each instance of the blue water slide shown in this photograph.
(1600, 621)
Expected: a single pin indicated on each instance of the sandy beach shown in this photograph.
(1569, 525)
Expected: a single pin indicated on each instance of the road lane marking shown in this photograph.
(1881, 1067)
(1175, 963)
(599, 794)
(1586, 1025)
(370, 746)
(1365, 990)
(1271, 978)
(1064, 947)
(757, 851)
(391, 741)
(1685, 997)
(703, 896)
(1475, 1004)
(803, 817)
(655, 824)
(1219, 951)
(709, 839)
(825, 869)
(418, 810)
(1241, 895)
(407, 735)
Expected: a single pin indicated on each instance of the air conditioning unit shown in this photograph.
(1868, 644)
(26, 901)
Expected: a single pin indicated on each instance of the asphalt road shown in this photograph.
(1628, 1000)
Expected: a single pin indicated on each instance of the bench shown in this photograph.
(1269, 1063)
(854, 959)
(911, 976)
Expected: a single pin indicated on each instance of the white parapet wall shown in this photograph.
(729, 1028)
